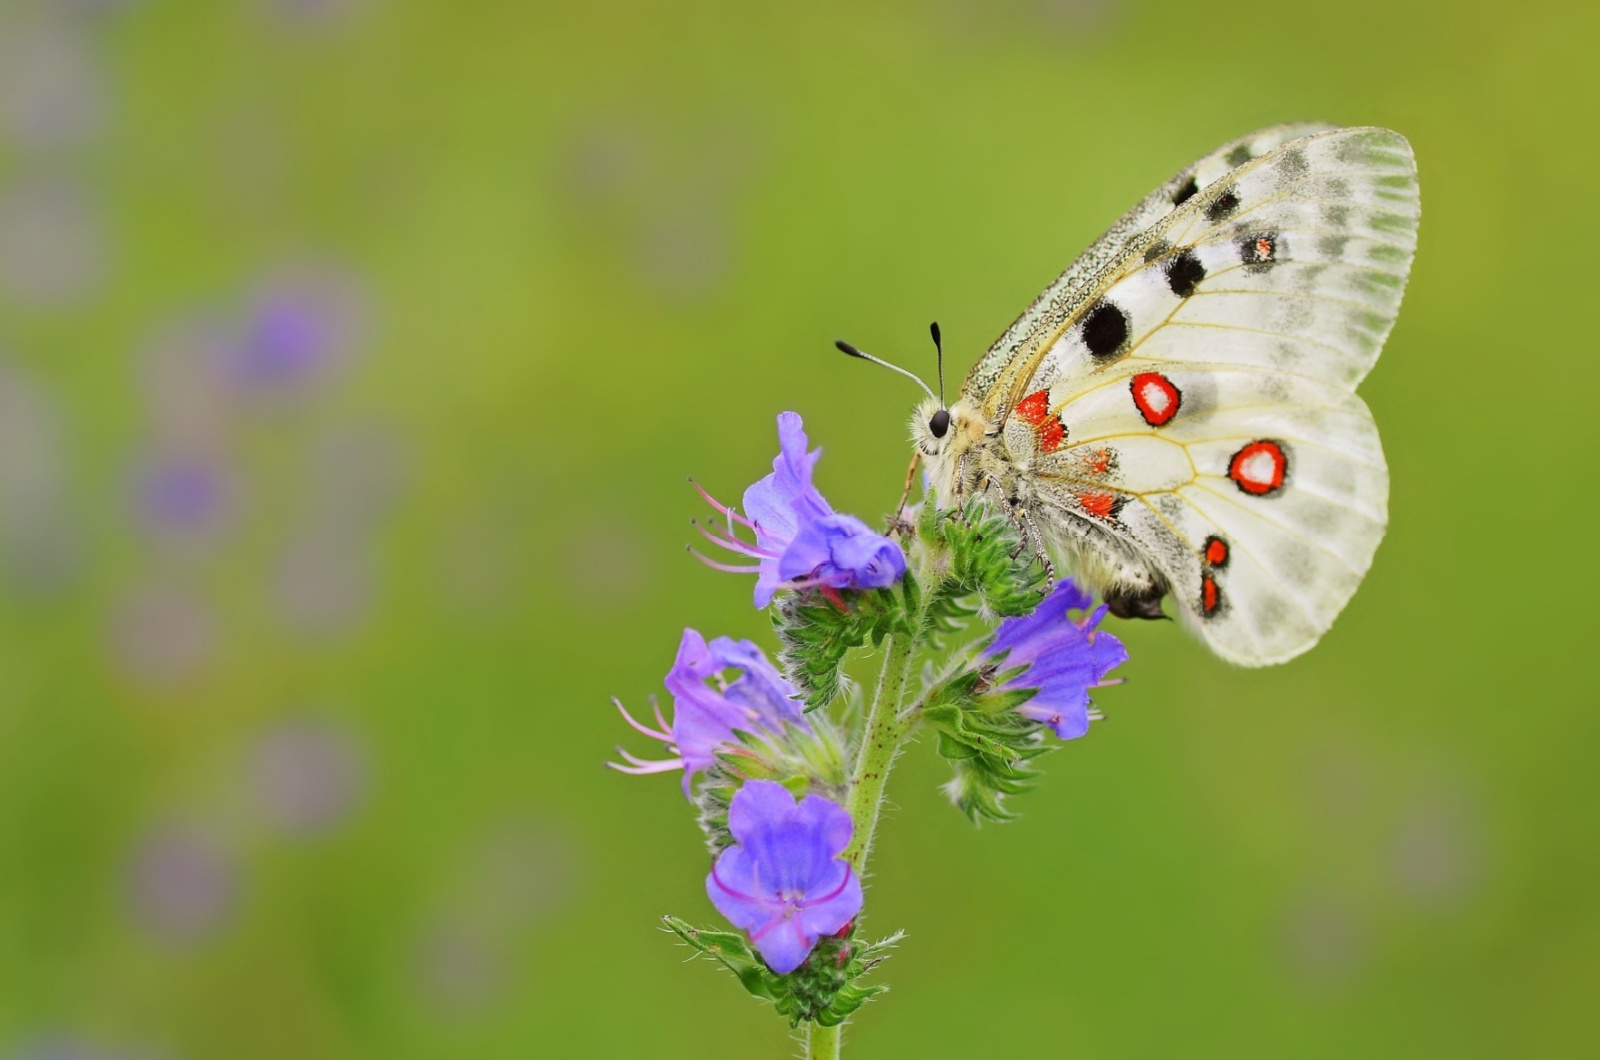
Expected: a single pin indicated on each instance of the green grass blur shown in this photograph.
(270, 790)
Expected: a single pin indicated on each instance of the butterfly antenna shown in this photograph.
(938, 344)
(845, 347)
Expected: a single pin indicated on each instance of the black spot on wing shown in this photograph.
(1223, 206)
(1187, 191)
(1105, 330)
(1184, 273)
(1239, 155)
(1257, 250)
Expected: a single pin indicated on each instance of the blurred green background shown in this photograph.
(353, 356)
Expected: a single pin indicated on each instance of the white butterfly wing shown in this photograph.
(1044, 317)
(1195, 393)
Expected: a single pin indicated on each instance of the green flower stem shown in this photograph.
(879, 745)
(886, 728)
(822, 1043)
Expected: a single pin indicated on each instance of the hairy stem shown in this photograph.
(880, 742)
(822, 1043)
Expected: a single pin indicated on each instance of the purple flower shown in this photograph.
(783, 880)
(706, 716)
(801, 541)
(298, 326)
(182, 493)
(1065, 658)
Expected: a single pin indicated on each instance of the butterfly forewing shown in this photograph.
(1189, 384)
(1011, 355)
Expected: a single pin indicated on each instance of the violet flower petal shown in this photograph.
(783, 880)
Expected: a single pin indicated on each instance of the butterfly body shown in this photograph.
(1176, 414)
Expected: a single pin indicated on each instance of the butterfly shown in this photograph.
(1176, 414)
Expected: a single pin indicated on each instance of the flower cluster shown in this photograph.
(764, 763)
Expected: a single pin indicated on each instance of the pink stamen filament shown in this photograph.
(733, 544)
(730, 568)
(663, 736)
(641, 767)
(637, 761)
(719, 506)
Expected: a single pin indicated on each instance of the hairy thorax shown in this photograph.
(972, 461)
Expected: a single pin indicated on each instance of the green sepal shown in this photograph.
(989, 745)
(816, 629)
(823, 990)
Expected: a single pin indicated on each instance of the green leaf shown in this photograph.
(989, 745)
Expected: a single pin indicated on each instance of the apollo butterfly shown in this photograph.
(1176, 414)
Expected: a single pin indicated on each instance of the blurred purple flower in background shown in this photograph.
(52, 94)
(801, 541)
(510, 882)
(309, 774)
(355, 474)
(181, 884)
(1065, 658)
(52, 242)
(323, 583)
(1325, 939)
(316, 12)
(183, 494)
(81, 1047)
(162, 635)
(298, 329)
(706, 716)
(783, 880)
(182, 373)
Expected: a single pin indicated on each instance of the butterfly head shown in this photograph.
(933, 427)
(938, 430)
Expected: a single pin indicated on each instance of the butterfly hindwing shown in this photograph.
(1202, 379)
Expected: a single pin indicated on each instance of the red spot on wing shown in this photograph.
(1051, 434)
(1099, 462)
(1259, 467)
(1263, 248)
(1155, 397)
(1210, 595)
(1035, 407)
(1098, 503)
(1216, 551)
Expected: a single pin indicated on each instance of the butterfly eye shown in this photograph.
(940, 423)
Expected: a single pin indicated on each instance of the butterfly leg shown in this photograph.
(1031, 535)
(905, 494)
(960, 499)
